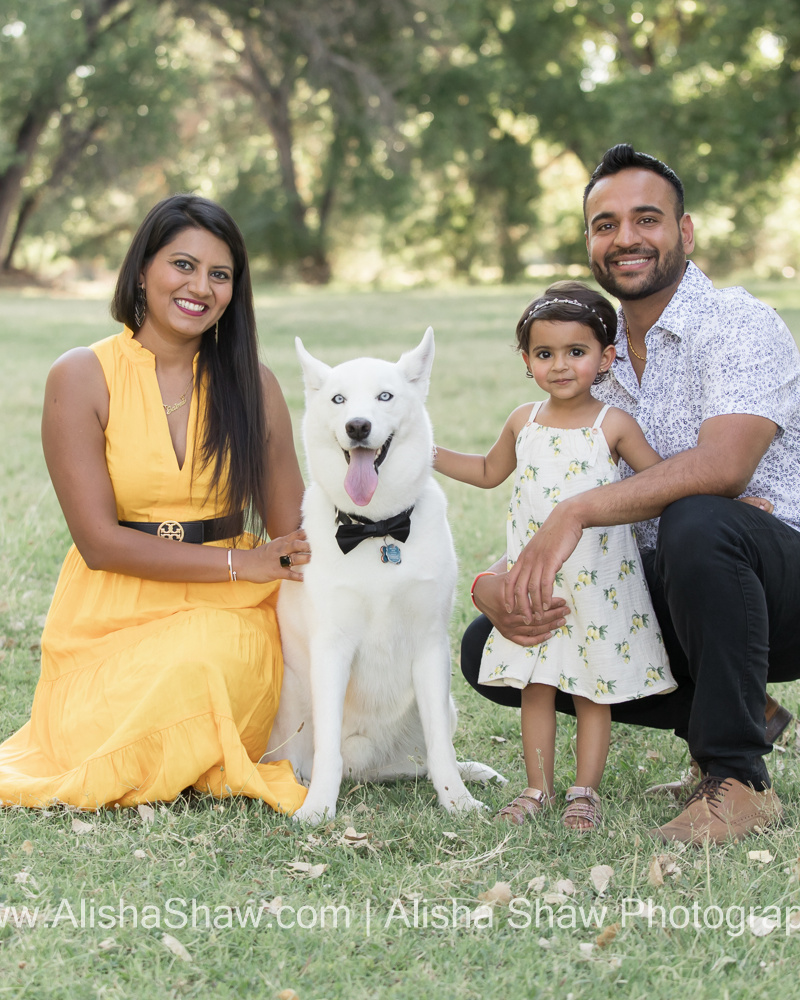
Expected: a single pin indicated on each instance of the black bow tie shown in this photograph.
(354, 529)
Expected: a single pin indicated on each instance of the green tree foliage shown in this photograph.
(317, 89)
(86, 102)
(710, 86)
(449, 120)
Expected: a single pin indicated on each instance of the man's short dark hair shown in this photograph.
(624, 157)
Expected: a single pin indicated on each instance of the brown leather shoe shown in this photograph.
(722, 809)
(777, 719)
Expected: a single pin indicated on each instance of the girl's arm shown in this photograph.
(634, 449)
(490, 470)
(73, 437)
(626, 440)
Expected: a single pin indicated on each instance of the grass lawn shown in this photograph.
(165, 904)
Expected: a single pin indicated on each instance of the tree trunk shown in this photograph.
(11, 181)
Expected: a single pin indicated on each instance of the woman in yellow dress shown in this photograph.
(171, 452)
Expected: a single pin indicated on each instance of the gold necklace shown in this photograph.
(172, 407)
(628, 335)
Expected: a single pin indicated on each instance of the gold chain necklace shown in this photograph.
(172, 407)
(628, 335)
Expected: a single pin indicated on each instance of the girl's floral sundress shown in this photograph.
(610, 648)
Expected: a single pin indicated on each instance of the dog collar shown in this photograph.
(353, 529)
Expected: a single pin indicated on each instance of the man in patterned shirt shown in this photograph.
(713, 377)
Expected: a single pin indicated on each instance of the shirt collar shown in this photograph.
(679, 316)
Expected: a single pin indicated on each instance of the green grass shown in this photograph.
(234, 856)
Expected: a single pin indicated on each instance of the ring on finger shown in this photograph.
(286, 562)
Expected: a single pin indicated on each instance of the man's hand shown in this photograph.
(528, 586)
(488, 596)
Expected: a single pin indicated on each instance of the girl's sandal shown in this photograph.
(525, 806)
(584, 806)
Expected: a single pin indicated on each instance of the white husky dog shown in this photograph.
(365, 642)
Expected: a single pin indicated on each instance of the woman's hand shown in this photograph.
(263, 563)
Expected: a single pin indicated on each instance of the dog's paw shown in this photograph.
(462, 803)
(473, 770)
(313, 814)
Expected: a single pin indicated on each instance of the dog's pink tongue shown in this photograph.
(361, 480)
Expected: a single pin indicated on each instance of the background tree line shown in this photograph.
(452, 136)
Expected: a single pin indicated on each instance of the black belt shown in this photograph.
(196, 532)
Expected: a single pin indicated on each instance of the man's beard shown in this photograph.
(668, 270)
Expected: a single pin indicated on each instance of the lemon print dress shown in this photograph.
(610, 648)
(147, 687)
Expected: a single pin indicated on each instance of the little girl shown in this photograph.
(610, 649)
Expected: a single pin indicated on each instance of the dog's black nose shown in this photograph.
(358, 428)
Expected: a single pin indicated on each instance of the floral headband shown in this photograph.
(544, 303)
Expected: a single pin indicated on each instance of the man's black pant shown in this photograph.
(725, 584)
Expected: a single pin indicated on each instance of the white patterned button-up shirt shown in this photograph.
(715, 351)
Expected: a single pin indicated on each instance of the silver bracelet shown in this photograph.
(231, 570)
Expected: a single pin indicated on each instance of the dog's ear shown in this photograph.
(416, 365)
(314, 371)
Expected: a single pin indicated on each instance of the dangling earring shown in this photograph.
(216, 333)
(601, 376)
(528, 373)
(140, 306)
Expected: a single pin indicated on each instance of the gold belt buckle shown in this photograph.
(172, 530)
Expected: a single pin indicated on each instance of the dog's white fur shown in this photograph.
(367, 664)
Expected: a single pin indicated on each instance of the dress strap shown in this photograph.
(535, 409)
(600, 415)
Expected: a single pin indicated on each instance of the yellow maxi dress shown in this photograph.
(148, 688)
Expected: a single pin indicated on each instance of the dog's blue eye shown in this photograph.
(338, 398)
(385, 397)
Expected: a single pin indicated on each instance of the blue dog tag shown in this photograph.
(390, 554)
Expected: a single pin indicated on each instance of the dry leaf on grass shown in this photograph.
(498, 739)
(653, 755)
(538, 883)
(27, 847)
(146, 812)
(607, 935)
(107, 944)
(793, 923)
(481, 915)
(722, 961)
(544, 943)
(23, 878)
(305, 868)
(288, 995)
(79, 827)
(764, 857)
(139, 854)
(555, 898)
(353, 839)
(761, 926)
(655, 875)
(601, 875)
(565, 886)
(177, 949)
(586, 950)
(499, 895)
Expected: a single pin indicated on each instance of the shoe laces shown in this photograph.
(709, 789)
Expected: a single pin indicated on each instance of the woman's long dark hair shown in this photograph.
(235, 438)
